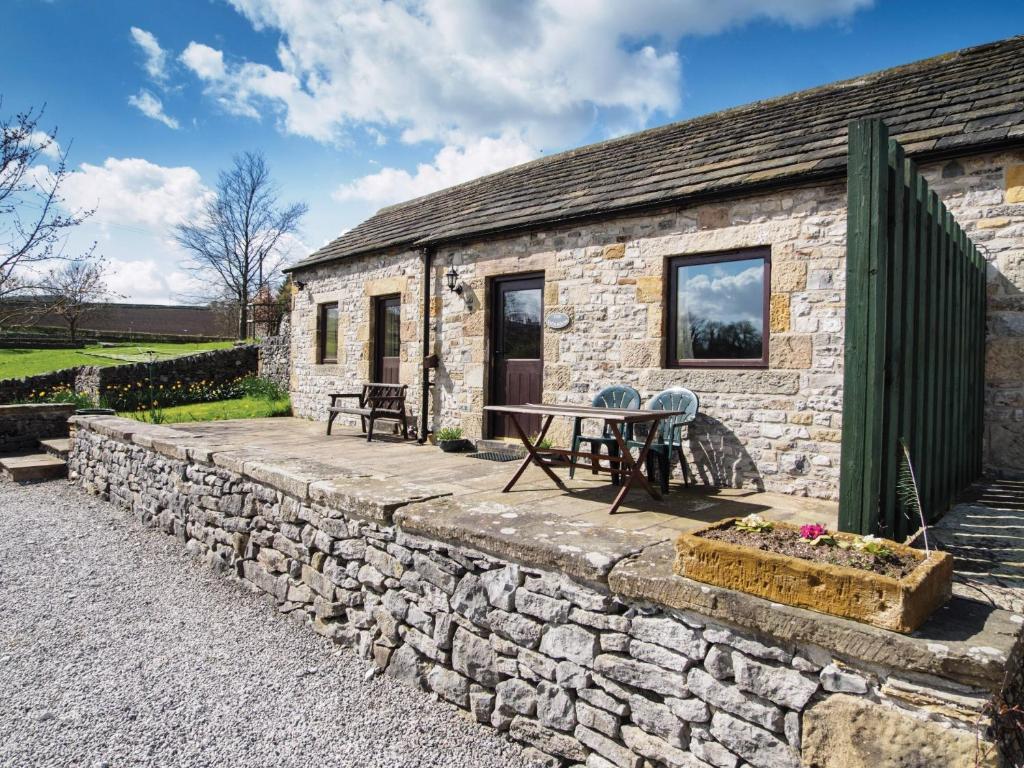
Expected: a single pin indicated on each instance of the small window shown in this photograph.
(718, 309)
(328, 333)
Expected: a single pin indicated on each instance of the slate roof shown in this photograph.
(956, 103)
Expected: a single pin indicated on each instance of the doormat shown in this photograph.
(497, 456)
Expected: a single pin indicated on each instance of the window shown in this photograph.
(327, 330)
(718, 309)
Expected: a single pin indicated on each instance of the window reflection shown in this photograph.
(521, 321)
(719, 310)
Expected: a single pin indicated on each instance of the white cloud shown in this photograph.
(135, 192)
(156, 57)
(452, 165)
(152, 107)
(150, 281)
(49, 148)
(206, 62)
(726, 293)
(527, 76)
(137, 203)
(545, 69)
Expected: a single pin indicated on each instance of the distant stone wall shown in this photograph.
(16, 390)
(600, 671)
(23, 426)
(214, 366)
(218, 365)
(276, 355)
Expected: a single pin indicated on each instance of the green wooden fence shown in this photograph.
(915, 340)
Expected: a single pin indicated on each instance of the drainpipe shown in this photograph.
(428, 254)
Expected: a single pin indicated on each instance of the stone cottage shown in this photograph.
(708, 253)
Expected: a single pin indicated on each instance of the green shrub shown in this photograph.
(143, 395)
(60, 394)
(264, 389)
(449, 433)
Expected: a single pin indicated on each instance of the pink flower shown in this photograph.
(812, 531)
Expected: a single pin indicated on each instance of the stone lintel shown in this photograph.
(966, 641)
(581, 550)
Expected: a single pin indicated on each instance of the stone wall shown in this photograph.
(276, 354)
(218, 365)
(354, 284)
(16, 390)
(986, 195)
(777, 428)
(598, 671)
(23, 426)
(774, 428)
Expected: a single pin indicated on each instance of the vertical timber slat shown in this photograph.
(914, 341)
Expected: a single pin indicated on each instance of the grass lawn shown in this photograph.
(17, 363)
(238, 408)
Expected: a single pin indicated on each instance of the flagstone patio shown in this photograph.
(406, 464)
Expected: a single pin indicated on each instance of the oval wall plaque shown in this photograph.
(556, 321)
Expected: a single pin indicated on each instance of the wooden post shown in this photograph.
(864, 361)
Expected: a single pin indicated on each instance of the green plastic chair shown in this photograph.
(618, 396)
(669, 437)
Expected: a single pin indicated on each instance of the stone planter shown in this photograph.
(901, 605)
(454, 446)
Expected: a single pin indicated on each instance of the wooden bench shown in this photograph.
(375, 402)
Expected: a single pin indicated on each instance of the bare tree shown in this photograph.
(33, 220)
(74, 289)
(237, 240)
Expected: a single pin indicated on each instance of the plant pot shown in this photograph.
(901, 605)
(454, 446)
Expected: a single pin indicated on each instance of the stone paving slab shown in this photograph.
(277, 447)
(525, 533)
(966, 641)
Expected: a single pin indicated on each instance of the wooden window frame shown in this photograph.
(671, 308)
(321, 327)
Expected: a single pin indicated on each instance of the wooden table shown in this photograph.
(622, 465)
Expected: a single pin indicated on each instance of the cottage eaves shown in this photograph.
(954, 104)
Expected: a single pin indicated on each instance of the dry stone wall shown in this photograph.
(276, 354)
(23, 426)
(213, 366)
(583, 675)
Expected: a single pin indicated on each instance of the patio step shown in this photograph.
(33, 466)
(57, 446)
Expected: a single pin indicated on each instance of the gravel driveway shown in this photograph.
(117, 650)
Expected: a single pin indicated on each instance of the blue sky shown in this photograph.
(361, 103)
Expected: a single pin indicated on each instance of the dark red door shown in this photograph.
(387, 342)
(517, 358)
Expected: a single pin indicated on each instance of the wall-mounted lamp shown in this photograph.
(299, 285)
(453, 280)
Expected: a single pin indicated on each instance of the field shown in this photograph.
(18, 363)
(249, 407)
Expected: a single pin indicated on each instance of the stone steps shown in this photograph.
(33, 466)
(58, 447)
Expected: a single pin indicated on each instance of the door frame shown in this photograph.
(494, 329)
(377, 363)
